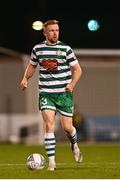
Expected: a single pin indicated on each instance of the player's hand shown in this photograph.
(69, 87)
(24, 84)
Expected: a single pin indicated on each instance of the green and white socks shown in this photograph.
(50, 147)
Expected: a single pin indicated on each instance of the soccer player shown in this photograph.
(59, 71)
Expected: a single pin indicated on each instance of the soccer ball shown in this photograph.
(35, 161)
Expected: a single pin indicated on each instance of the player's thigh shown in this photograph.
(49, 120)
(48, 115)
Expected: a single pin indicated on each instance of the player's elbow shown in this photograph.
(79, 71)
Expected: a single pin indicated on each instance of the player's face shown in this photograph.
(52, 33)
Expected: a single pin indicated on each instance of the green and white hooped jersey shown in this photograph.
(53, 81)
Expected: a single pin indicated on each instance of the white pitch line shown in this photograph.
(63, 164)
(11, 164)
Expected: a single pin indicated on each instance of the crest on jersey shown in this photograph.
(58, 52)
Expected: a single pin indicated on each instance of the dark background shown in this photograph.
(16, 19)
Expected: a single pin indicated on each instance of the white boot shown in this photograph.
(77, 154)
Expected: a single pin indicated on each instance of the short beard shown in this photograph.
(52, 41)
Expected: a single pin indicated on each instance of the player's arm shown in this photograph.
(28, 74)
(76, 74)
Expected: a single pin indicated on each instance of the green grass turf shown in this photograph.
(101, 161)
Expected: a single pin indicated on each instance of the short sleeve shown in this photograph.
(71, 58)
(34, 59)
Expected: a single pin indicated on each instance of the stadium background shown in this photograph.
(97, 98)
(97, 95)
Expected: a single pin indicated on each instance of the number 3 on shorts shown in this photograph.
(43, 101)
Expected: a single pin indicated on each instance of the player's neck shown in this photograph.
(50, 43)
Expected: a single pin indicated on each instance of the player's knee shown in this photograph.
(68, 129)
(49, 126)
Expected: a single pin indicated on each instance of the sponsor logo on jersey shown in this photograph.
(49, 64)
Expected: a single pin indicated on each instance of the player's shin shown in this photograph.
(74, 146)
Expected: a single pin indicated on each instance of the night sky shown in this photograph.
(16, 17)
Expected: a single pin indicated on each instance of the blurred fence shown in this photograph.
(100, 129)
(96, 99)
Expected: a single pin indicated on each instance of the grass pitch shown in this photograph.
(101, 161)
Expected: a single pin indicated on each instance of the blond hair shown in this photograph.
(50, 22)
